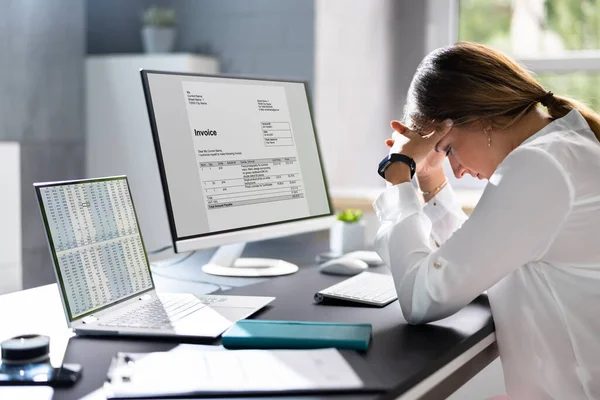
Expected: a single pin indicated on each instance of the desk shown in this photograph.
(429, 361)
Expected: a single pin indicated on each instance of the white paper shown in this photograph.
(26, 392)
(199, 370)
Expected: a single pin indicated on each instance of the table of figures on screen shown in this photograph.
(98, 246)
(243, 182)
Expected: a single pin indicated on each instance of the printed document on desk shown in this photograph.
(249, 162)
(197, 371)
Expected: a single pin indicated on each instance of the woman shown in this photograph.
(533, 241)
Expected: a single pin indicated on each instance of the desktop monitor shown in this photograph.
(239, 161)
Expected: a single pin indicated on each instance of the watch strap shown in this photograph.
(395, 157)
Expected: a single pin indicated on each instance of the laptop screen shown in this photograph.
(95, 241)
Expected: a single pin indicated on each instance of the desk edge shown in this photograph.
(426, 385)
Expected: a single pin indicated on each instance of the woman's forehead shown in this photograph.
(451, 136)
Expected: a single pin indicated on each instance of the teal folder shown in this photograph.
(257, 334)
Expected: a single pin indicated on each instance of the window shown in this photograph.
(579, 85)
(559, 40)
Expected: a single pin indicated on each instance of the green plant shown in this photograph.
(350, 215)
(163, 17)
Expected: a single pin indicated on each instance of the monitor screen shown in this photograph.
(234, 153)
(95, 241)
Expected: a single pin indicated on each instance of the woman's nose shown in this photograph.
(459, 172)
(458, 169)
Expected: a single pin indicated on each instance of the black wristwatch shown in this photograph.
(395, 157)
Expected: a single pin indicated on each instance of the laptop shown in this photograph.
(104, 275)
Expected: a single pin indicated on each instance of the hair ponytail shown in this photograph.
(560, 106)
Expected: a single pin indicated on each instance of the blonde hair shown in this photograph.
(470, 83)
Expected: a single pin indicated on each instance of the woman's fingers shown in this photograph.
(398, 126)
(411, 143)
(403, 129)
(396, 142)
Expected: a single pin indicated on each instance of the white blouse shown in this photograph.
(533, 242)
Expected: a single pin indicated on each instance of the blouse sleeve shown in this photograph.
(445, 213)
(520, 212)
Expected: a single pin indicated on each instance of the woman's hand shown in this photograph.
(425, 168)
(419, 148)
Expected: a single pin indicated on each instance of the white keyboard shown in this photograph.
(366, 288)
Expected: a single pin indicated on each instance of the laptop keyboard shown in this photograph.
(157, 314)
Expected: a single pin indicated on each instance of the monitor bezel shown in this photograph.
(52, 247)
(212, 239)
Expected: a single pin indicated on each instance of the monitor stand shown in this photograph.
(225, 262)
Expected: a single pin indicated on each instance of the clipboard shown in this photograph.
(191, 372)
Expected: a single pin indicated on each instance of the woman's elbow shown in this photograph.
(427, 309)
(411, 317)
(433, 313)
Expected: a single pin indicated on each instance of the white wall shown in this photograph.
(365, 55)
(10, 218)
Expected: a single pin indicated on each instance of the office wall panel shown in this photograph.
(257, 37)
(41, 106)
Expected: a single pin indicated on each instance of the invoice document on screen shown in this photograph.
(248, 166)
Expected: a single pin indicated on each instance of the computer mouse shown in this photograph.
(344, 266)
(370, 257)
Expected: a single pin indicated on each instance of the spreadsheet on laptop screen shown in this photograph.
(96, 242)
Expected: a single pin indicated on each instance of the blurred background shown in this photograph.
(71, 102)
